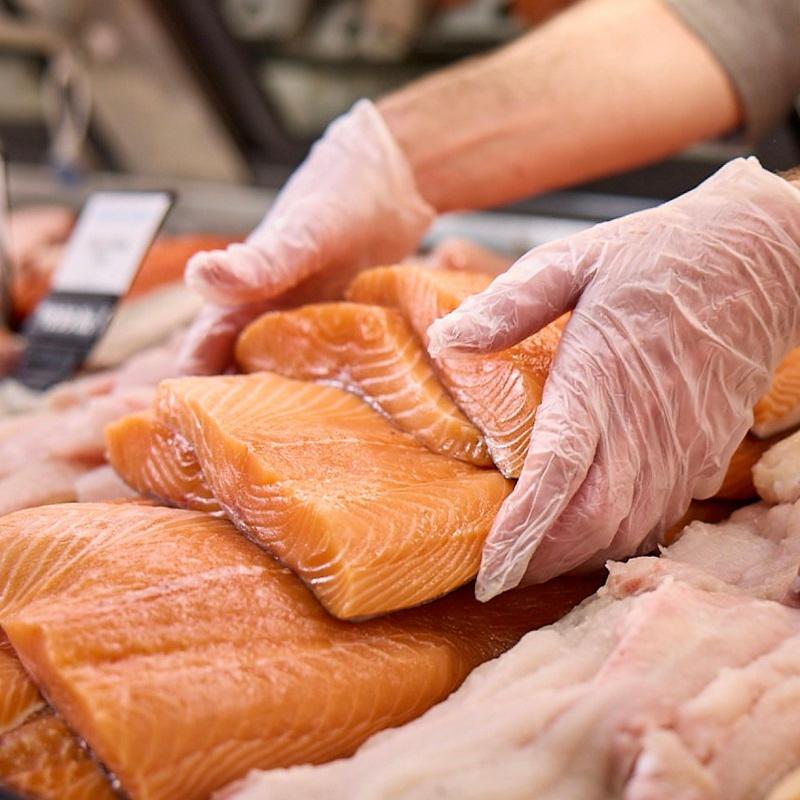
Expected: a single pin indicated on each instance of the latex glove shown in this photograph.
(680, 315)
(351, 204)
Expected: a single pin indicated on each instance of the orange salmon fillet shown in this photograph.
(42, 758)
(779, 409)
(738, 483)
(185, 656)
(158, 463)
(19, 697)
(372, 352)
(368, 517)
(499, 392)
(39, 756)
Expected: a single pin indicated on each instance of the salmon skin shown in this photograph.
(185, 656)
(42, 759)
(499, 392)
(369, 518)
(372, 352)
(158, 463)
(779, 409)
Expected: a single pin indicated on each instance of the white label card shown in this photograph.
(110, 239)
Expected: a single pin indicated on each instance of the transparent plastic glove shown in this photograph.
(352, 202)
(680, 315)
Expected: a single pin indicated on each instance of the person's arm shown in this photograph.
(607, 85)
(792, 175)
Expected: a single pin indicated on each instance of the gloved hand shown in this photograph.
(351, 204)
(680, 315)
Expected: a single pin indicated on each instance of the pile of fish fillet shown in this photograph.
(267, 591)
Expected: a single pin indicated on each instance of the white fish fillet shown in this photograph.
(624, 697)
(101, 484)
(40, 483)
(776, 474)
(144, 322)
(755, 552)
(73, 434)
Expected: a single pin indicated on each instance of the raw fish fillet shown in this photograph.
(40, 483)
(738, 483)
(499, 392)
(788, 788)
(74, 434)
(158, 463)
(779, 409)
(185, 656)
(19, 697)
(368, 517)
(777, 473)
(712, 510)
(732, 740)
(669, 684)
(372, 352)
(101, 484)
(145, 322)
(39, 757)
(756, 551)
(42, 759)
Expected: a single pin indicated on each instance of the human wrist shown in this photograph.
(792, 175)
(366, 119)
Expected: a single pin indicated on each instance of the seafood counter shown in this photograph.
(257, 584)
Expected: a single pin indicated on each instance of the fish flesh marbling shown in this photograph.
(158, 463)
(779, 409)
(19, 697)
(369, 518)
(499, 392)
(42, 759)
(185, 656)
(372, 352)
(678, 679)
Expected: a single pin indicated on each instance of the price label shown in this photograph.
(111, 237)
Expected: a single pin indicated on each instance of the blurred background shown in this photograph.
(220, 99)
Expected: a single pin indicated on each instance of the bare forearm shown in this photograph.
(608, 85)
(792, 175)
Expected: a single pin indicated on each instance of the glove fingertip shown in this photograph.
(236, 276)
(458, 333)
(494, 578)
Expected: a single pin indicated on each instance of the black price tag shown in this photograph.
(104, 253)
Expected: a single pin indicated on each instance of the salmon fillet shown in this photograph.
(368, 517)
(499, 392)
(372, 352)
(185, 656)
(683, 647)
(738, 483)
(158, 463)
(39, 756)
(779, 408)
(19, 697)
(42, 758)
